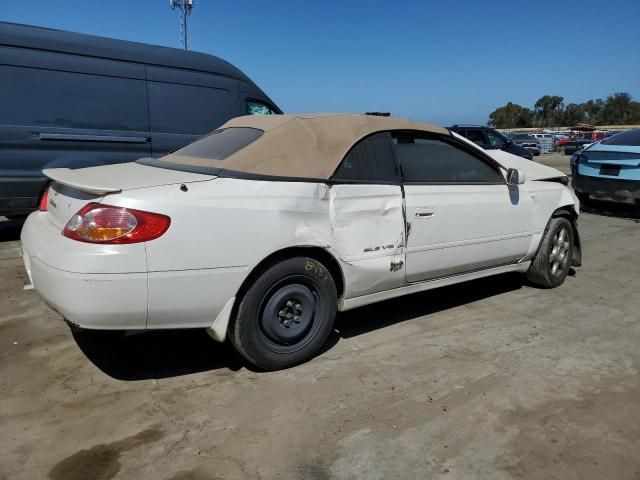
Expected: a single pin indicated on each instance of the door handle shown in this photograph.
(424, 213)
(93, 138)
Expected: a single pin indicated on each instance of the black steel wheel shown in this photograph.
(286, 315)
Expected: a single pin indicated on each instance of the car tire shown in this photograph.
(286, 314)
(551, 264)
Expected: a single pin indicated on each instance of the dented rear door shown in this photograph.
(368, 230)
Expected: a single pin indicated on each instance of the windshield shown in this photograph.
(258, 108)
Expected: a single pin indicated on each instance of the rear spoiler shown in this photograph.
(77, 179)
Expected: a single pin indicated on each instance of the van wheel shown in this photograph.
(551, 264)
(286, 316)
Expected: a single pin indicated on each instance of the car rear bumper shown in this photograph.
(627, 191)
(108, 287)
(85, 283)
(92, 301)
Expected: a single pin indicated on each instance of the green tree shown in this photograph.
(510, 116)
(573, 113)
(619, 109)
(548, 110)
(593, 110)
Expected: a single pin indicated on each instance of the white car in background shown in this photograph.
(265, 228)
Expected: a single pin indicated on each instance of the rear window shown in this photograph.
(630, 138)
(218, 145)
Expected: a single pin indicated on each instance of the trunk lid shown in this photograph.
(72, 189)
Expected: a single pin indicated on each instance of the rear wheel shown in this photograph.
(551, 264)
(286, 315)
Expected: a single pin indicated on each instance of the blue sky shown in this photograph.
(443, 62)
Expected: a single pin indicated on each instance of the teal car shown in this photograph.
(609, 169)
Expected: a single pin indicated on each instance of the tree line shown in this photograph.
(551, 111)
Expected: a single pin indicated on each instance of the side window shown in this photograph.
(495, 138)
(432, 160)
(476, 136)
(255, 107)
(371, 160)
(39, 97)
(188, 109)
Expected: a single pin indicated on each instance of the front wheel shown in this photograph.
(551, 264)
(286, 315)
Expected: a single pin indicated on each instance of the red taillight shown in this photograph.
(97, 223)
(44, 200)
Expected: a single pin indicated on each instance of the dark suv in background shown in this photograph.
(74, 100)
(490, 139)
(527, 141)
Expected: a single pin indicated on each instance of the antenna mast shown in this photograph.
(184, 7)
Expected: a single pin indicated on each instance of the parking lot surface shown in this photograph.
(489, 379)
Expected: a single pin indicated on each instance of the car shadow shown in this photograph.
(10, 229)
(611, 209)
(380, 315)
(173, 353)
(156, 355)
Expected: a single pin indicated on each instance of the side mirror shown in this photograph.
(515, 177)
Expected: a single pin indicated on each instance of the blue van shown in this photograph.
(609, 169)
(74, 100)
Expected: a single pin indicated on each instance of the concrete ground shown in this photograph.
(490, 379)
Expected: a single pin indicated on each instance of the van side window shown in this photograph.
(370, 160)
(255, 107)
(188, 109)
(39, 97)
(495, 138)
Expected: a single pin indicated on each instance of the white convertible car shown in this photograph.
(265, 228)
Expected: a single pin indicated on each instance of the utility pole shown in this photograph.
(184, 7)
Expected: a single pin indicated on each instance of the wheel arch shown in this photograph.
(313, 251)
(218, 331)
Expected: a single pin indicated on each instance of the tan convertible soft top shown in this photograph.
(304, 146)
